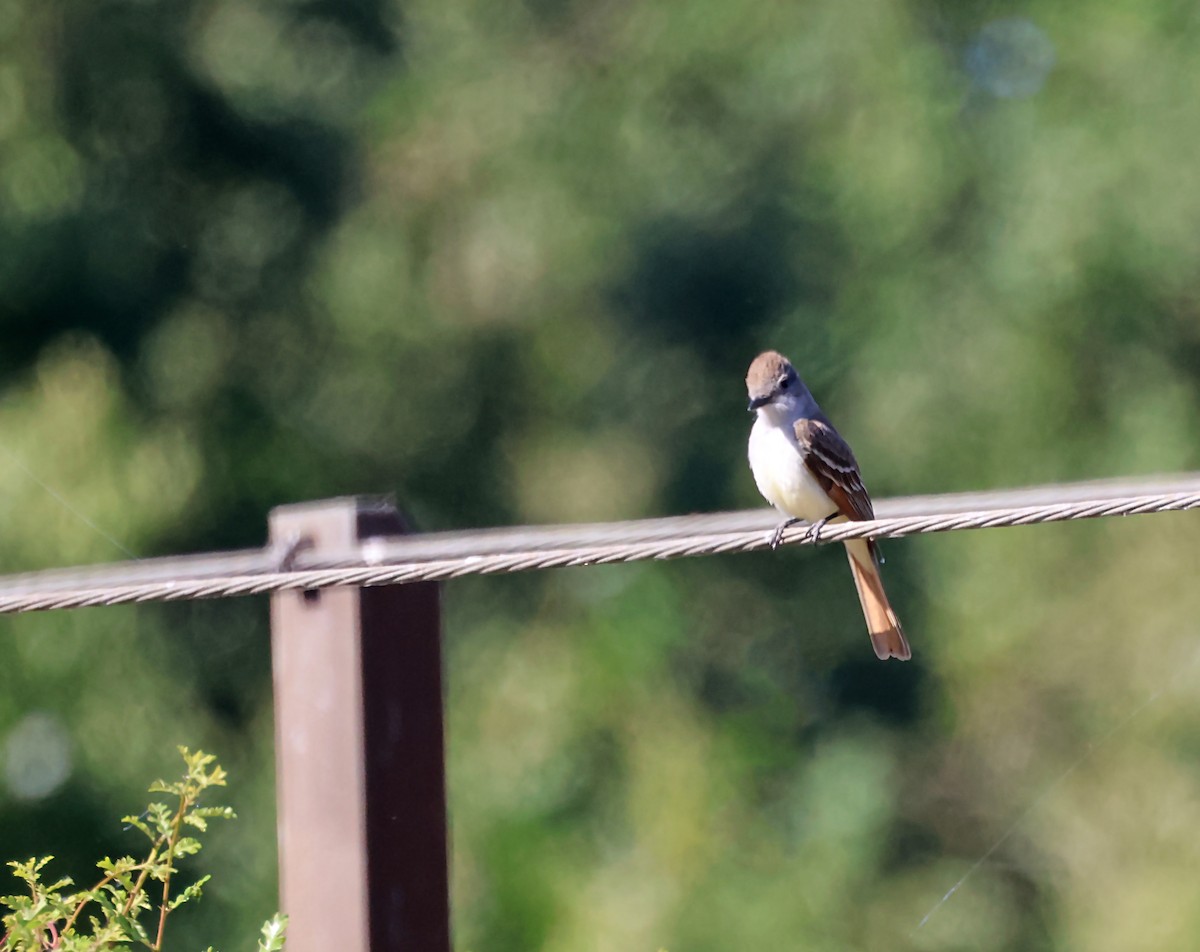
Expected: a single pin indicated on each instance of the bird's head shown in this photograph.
(772, 380)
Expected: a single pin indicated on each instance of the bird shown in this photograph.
(804, 468)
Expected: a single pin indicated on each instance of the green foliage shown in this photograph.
(124, 907)
(274, 933)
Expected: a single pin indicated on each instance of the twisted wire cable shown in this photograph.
(394, 560)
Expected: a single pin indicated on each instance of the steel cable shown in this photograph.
(392, 560)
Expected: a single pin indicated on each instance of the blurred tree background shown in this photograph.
(510, 260)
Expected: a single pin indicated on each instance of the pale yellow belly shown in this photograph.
(783, 479)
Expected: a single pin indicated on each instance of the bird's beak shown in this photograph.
(756, 402)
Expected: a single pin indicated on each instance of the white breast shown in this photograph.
(781, 475)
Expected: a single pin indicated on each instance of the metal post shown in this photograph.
(360, 766)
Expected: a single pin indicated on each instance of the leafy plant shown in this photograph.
(119, 909)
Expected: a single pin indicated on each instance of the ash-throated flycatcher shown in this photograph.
(806, 471)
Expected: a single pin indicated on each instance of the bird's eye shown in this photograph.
(784, 382)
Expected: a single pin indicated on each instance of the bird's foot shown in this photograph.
(813, 534)
(777, 535)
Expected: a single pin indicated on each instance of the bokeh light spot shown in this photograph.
(37, 756)
(1011, 58)
(43, 178)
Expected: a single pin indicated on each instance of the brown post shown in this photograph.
(360, 767)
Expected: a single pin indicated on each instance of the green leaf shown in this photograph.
(131, 927)
(161, 817)
(104, 901)
(218, 813)
(161, 786)
(139, 823)
(192, 892)
(187, 846)
(140, 901)
(274, 932)
(160, 871)
(30, 869)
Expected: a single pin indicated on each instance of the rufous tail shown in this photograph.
(887, 637)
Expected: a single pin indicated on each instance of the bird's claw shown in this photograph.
(813, 533)
(777, 535)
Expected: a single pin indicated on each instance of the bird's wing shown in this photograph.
(831, 461)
